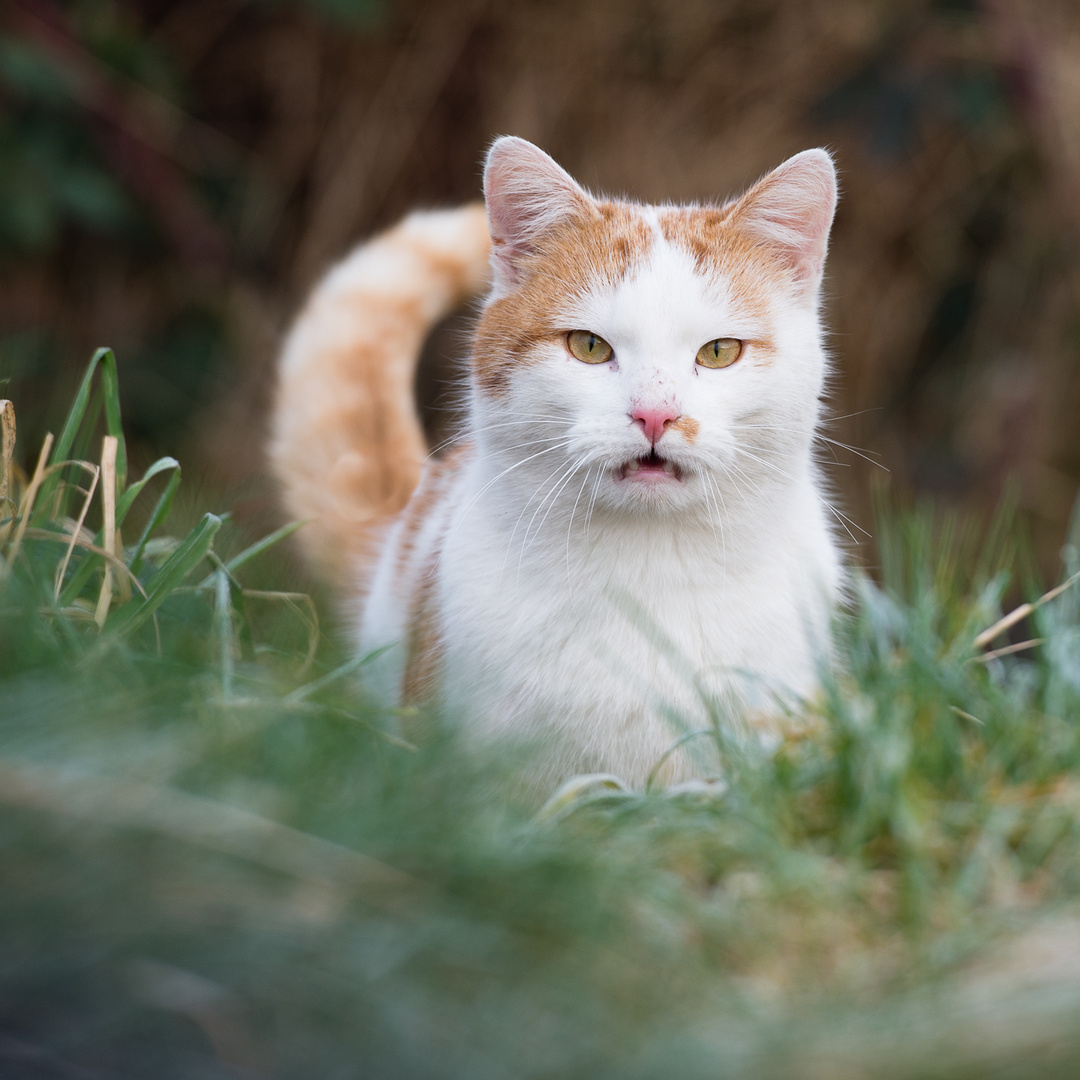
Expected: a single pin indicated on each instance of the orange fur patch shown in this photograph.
(688, 426)
(602, 247)
(423, 642)
(762, 353)
(423, 638)
(424, 498)
(717, 245)
(347, 443)
(372, 475)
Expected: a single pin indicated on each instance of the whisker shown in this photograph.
(553, 495)
(763, 461)
(850, 415)
(866, 455)
(715, 519)
(561, 470)
(539, 487)
(509, 469)
(734, 474)
(733, 471)
(854, 450)
(843, 518)
(843, 523)
(472, 431)
(592, 504)
(570, 524)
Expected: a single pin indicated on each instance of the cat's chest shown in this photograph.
(638, 609)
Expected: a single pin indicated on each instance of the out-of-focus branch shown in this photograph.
(369, 142)
(147, 140)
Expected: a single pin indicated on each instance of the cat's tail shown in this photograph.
(347, 445)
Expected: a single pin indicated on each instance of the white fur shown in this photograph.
(603, 619)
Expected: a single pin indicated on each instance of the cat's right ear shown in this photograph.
(791, 211)
(526, 193)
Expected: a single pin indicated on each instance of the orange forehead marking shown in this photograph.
(718, 247)
(601, 247)
(688, 426)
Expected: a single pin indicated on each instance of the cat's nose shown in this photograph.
(654, 422)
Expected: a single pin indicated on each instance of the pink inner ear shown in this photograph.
(526, 193)
(792, 210)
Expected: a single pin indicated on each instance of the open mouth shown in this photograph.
(650, 467)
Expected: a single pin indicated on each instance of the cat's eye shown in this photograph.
(722, 352)
(588, 347)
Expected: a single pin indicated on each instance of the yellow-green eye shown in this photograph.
(722, 352)
(588, 347)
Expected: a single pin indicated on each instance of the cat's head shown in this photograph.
(666, 355)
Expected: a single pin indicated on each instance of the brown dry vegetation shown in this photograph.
(280, 136)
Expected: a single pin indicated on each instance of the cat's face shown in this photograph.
(645, 357)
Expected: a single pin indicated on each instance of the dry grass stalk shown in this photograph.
(7, 446)
(1021, 612)
(76, 527)
(114, 561)
(26, 504)
(1008, 650)
(108, 526)
(1003, 624)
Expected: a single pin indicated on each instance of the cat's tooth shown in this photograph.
(633, 465)
(669, 468)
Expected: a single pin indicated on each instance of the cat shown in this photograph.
(632, 537)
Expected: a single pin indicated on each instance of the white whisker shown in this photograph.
(528, 502)
(570, 524)
(592, 504)
(553, 495)
(715, 520)
(845, 520)
(509, 469)
(864, 454)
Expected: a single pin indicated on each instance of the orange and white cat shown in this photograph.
(632, 534)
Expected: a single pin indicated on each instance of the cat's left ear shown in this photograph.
(527, 193)
(791, 210)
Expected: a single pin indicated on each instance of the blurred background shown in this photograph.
(175, 174)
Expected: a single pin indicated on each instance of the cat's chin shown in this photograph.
(649, 469)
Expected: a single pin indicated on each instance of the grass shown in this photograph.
(222, 860)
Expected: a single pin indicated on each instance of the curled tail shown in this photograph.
(347, 445)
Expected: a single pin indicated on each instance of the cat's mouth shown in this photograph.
(650, 467)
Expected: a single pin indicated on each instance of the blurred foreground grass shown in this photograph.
(221, 860)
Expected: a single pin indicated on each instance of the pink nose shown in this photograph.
(654, 421)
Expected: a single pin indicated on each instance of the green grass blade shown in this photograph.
(223, 624)
(244, 633)
(262, 545)
(81, 414)
(82, 574)
(256, 549)
(80, 448)
(110, 384)
(239, 617)
(302, 693)
(78, 580)
(194, 548)
(77, 412)
(161, 512)
(128, 498)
